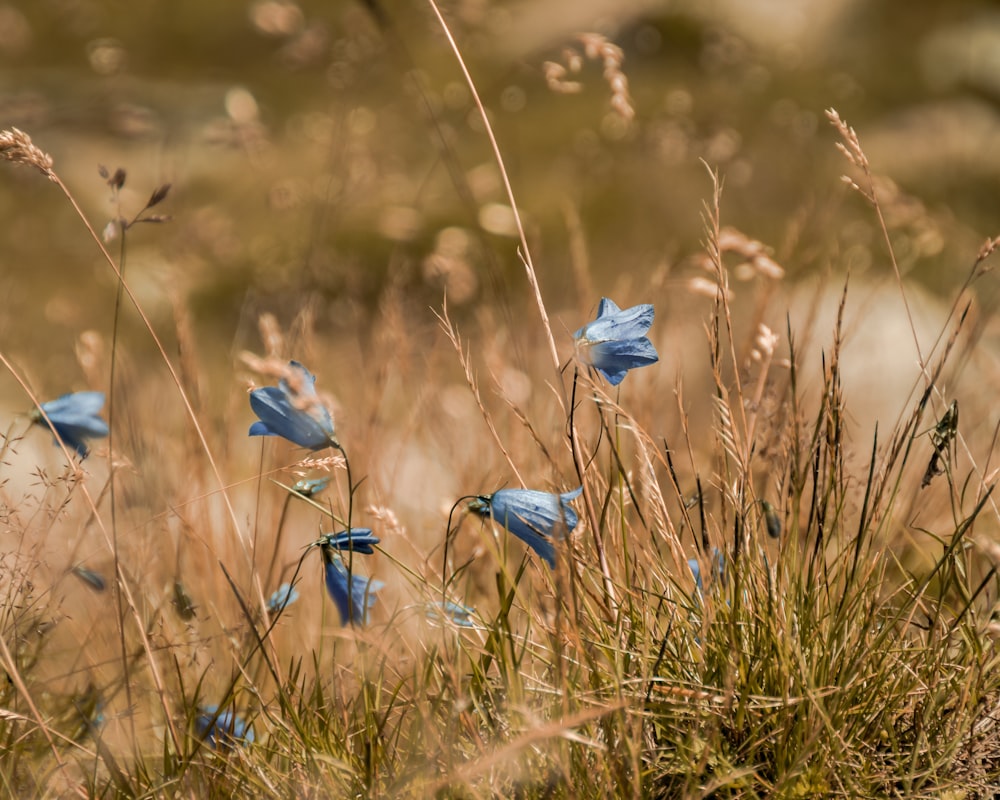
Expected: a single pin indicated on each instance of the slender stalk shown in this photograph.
(525, 251)
(588, 501)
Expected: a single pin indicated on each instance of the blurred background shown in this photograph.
(320, 151)
(329, 167)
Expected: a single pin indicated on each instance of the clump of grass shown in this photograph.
(803, 657)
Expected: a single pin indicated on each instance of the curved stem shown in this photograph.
(350, 528)
(525, 251)
(609, 586)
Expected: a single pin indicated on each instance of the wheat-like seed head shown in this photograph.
(16, 146)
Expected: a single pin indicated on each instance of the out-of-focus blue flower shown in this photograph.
(74, 419)
(533, 517)
(718, 568)
(222, 728)
(293, 410)
(616, 341)
(360, 540)
(93, 579)
(453, 612)
(307, 487)
(283, 597)
(352, 603)
(696, 571)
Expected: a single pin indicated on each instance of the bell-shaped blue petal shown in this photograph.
(360, 540)
(454, 613)
(293, 410)
(73, 419)
(222, 728)
(283, 596)
(353, 599)
(616, 341)
(533, 517)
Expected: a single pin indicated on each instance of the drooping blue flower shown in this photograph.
(533, 517)
(360, 540)
(453, 612)
(73, 419)
(307, 487)
(353, 603)
(222, 728)
(282, 598)
(293, 410)
(616, 341)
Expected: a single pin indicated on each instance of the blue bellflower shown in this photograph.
(533, 517)
(282, 598)
(454, 613)
(222, 728)
(293, 410)
(354, 603)
(360, 540)
(718, 568)
(73, 419)
(616, 341)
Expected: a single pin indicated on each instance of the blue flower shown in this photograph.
(222, 728)
(718, 568)
(453, 612)
(695, 568)
(533, 517)
(352, 604)
(283, 597)
(616, 341)
(93, 579)
(292, 409)
(73, 419)
(307, 487)
(360, 540)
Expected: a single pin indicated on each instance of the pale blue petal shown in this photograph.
(284, 596)
(617, 324)
(453, 612)
(76, 403)
(73, 419)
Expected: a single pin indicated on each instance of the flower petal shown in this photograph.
(614, 325)
(223, 728)
(283, 596)
(353, 604)
(614, 359)
(73, 419)
(360, 540)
